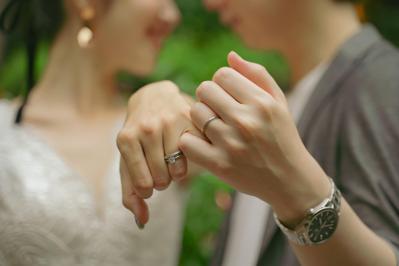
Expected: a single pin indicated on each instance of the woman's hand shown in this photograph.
(158, 114)
(254, 146)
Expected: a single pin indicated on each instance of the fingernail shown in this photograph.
(139, 225)
(236, 54)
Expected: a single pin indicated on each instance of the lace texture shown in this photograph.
(48, 214)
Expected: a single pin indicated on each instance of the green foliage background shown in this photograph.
(192, 54)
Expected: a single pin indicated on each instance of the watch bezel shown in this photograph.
(331, 210)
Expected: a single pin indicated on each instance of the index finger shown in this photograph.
(132, 152)
(238, 86)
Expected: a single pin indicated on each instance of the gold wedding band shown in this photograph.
(207, 123)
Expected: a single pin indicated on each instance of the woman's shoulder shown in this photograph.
(8, 110)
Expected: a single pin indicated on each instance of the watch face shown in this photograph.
(322, 225)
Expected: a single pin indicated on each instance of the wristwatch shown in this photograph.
(320, 222)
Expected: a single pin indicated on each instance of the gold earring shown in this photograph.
(86, 35)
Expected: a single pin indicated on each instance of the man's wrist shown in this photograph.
(294, 208)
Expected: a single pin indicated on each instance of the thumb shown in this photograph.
(255, 73)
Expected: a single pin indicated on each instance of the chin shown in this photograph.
(145, 64)
(254, 42)
(142, 70)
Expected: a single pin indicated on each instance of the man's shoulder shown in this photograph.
(375, 78)
(380, 62)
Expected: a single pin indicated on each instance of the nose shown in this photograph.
(171, 15)
(215, 4)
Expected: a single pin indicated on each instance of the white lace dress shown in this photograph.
(48, 216)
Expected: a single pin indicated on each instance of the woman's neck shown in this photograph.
(74, 82)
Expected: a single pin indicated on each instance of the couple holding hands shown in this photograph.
(318, 162)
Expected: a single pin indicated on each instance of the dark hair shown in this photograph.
(31, 21)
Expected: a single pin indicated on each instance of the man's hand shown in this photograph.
(254, 145)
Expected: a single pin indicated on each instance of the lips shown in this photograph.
(157, 34)
(234, 23)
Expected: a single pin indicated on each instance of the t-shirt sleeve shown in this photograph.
(368, 171)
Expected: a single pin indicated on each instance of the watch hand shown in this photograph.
(322, 226)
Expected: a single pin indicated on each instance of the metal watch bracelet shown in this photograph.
(301, 234)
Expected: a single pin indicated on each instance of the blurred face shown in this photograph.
(129, 33)
(262, 24)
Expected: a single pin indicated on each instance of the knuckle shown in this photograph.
(148, 128)
(131, 102)
(247, 126)
(268, 109)
(237, 121)
(235, 148)
(203, 89)
(161, 184)
(222, 73)
(126, 202)
(143, 185)
(259, 102)
(160, 177)
(169, 121)
(254, 126)
(207, 83)
(145, 193)
(122, 137)
(241, 122)
(276, 108)
(259, 69)
(169, 85)
(164, 85)
(125, 137)
(262, 106)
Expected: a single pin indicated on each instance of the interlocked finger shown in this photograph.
(211, 125)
